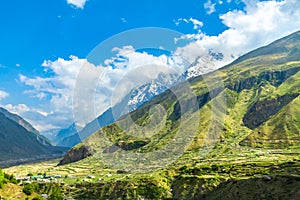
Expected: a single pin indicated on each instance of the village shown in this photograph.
(39, 178)
(57, 178)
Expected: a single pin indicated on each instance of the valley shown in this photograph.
(237, 138)
(190, 178)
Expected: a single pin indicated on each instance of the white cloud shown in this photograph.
(44, 127)
(258, 24)
(41, 95)
(56, 92)
(17, 109)
(197, 24)
(210, 7)
(123, 72)
(35, 117)
(123, 19)
(77, 3)
(3, 94)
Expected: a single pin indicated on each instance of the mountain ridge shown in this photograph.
(20, 145)
(19, 120)
(137, 97)
(254, 75)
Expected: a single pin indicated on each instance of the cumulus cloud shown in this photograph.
(55, 92)
(74, 78)
(258, 24)
(77, 3)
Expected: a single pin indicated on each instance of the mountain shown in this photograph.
(20, 145)
(25, 124)
(19, 120)
(64, 133)
(50, 134)
(136, 98)
(144, 93)
(69, 137)
(256, 104)
(204, 64)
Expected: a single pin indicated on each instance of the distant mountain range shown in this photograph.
(20, 141)
(262, 108)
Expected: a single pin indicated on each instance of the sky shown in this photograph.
(44, 44)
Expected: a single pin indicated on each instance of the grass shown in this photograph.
(212, 176)
(13, 191)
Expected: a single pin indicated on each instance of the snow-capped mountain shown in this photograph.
(144, 93)
(205, 64)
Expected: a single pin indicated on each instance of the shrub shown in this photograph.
(28, 189)
(56, 194)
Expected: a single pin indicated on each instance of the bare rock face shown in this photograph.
(75, 154)
(275, 78)
(261, 111)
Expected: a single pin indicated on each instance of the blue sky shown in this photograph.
(43, 43)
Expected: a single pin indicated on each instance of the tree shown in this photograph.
(1, 174)
(30, 174)
(28, 189)
(56, 194)
(1, 178)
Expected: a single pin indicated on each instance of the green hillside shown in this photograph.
(18, 145)
(19, 120)
(22, 122)
(260, 101)
(235, 137)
